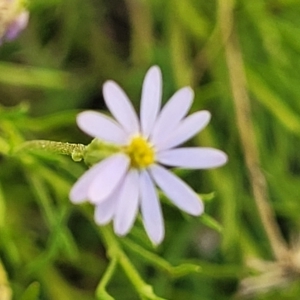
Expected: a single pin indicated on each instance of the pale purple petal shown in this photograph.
(108, 178)
(151, 99)
(192, 158)
(127, 204)
(105, 210)
(187, 128)
(101, 127)
(172, 113)
(120, 107)
(177, 190)
(79, 191)
(151, 209)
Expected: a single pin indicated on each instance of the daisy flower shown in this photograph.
(124, 183)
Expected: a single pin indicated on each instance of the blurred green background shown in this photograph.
(242, 58)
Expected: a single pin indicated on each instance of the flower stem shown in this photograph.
(101, 293)
(76, 151)
(175, 271)
(115, 251)
(241, 99)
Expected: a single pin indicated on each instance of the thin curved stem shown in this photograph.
(241, 99)
(115, 251)
(101, 293)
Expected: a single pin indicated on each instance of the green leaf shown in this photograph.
(211, 222)
(103, 295)
(273, 103)
(15, 74)
(208, 197)
(32, 292)
(192, 19)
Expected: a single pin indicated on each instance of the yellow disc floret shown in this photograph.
(141, 152)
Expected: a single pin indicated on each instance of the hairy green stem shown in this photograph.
(76, 151)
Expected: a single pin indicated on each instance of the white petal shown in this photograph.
(151, 209)
(105, 210)
(151, 99)
(128, 203)
(172, 113)
(177, 190)
(102, 127)
(79, 191)
(192, 158)
(120, 107)
(108, 178)
(187, 128)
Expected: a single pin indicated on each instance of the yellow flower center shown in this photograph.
(141, 152)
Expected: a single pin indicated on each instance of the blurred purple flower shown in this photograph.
(13, 19)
